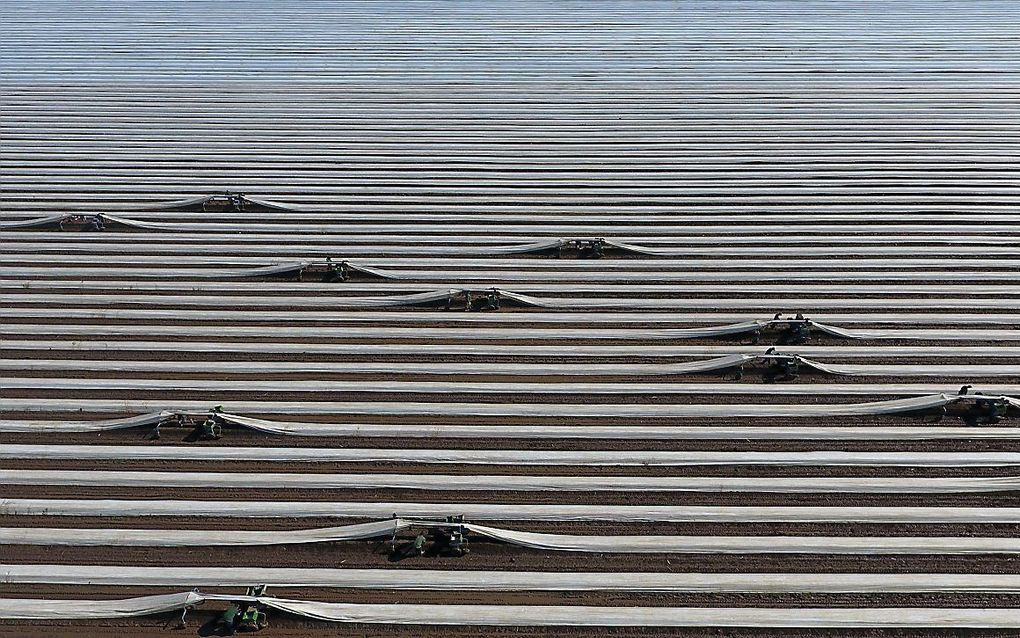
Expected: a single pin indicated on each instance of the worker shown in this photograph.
(964, 389)
(591, 249)
(253, 619)
(796, 333)
(988, 411)
(458, 541)
(492, 300)
(419, 543)
(488, 302)
(334, 272)
(256, 590)
(236, 202)
(226, 624)
(211, 429)
(783, 368)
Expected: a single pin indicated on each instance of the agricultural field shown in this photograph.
(512, 318)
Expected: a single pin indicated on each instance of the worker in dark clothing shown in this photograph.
(988, 411)
(492, 300)
(783, 368)
(489, 302)
(236, 202)
(458, 541)
(335, 272)
(93, 224)
(226, 624)
(591, 249)
(211, 429)
(796, 333)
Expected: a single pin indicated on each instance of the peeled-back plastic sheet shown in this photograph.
(445, 482)
(524, 615)
(54, 251)
(635, 432)
(390, 367)
(745, 302)
(569, 351)
(629, 544)
(482, 580)
(196, 538)
(498, 368)
(505, 512)
(354, 387)
(176, 274)
(195, 201)
(37, 222)
(508, 276)
(576, 616)
(610, 295)
(750, 544)
(582, 458)
(448, 409)
(46, 609)
(348, 332)
(483, 246)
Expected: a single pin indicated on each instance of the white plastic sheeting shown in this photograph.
(481, 580)
(190, 202)
(452, 334)
(453, 482)
(638, 295)
(560, 351)
(196, 538)
(602, 318)
(499, 368)
(728, 223)
(931, 302)
(629, 544)
(370, 245)
(489, 277)
(53, 251)
(35, 222)
(480, 387)
(631, 432)
(524, 615)
(448, 409)
(47, 609)
(751, 544)
(638, 458)
(177, 274)
(504, 512)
